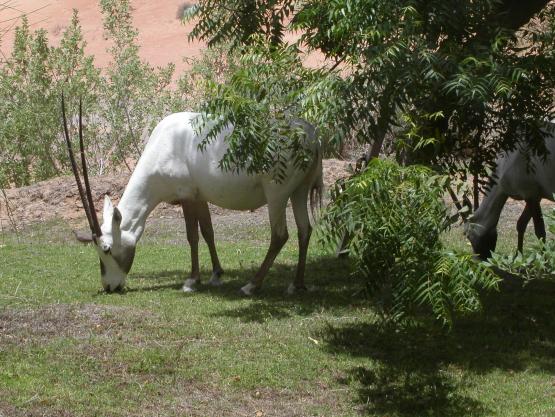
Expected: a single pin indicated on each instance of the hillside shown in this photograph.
(163, 38)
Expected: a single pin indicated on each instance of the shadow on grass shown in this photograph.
(398, 391)
(414, 370)
(515, 332)
(174, 286)
(328, 279)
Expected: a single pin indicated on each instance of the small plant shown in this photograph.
(134, 95)
(182, 10)
(213, 66)
(537, 261)
(394, 217)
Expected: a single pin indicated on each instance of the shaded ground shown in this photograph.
(422, 369)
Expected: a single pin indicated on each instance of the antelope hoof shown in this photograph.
(292, 289)
(248, 289)
(189, 285)
(215, 280)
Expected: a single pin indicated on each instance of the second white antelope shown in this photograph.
(172, 169)
(530, 178)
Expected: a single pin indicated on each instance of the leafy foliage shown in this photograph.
(29, 101)
(455, 81)
(264, 97)
(238, 20)
(538, 260)
(214, 66)
(122, 104)
(394, 217)
(134, 95)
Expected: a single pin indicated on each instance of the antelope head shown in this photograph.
(115, 248)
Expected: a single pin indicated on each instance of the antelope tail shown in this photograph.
(317, 187)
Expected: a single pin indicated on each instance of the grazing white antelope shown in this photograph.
(173, 169)
(520, 178)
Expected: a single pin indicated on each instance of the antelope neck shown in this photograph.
(136, 204)
(488, 213)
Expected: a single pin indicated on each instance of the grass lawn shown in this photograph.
(66, 349)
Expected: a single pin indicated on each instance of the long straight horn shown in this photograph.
(74, 167)
(95, 225)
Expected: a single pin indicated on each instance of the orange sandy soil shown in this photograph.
(163, 38)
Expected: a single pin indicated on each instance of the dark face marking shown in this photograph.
(484, 245)
(125, 259)
(113, 278)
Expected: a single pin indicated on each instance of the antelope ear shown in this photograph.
(84, 237)
(108, 208)
(116, 218)
(116, 223)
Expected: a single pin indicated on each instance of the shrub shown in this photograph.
(30, 85)
(537, 261)
(121, 105)
(213, 66)
(134, 95)
(394, 217)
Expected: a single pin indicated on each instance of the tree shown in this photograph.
(454, 81)
(30, 85)
(443, 83)
(134, 95)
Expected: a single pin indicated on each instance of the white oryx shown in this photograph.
(521, 179)
(172, 169)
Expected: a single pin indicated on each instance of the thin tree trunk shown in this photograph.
(9, 210)
(476, 191)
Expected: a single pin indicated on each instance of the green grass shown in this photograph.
(68, 349)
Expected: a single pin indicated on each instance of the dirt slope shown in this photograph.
(58, 198)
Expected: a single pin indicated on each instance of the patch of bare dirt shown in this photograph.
(59, 199)
(56, 199)
(11, 411)
(79, 321)
(263, 402)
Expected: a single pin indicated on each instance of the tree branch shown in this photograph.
(516, 13)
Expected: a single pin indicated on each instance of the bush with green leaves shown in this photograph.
(394, 217)
(134, 96)
(447, 82)
(264, 92)
(537, 261)
(213, 66)
(30, 84)
(121, 104)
